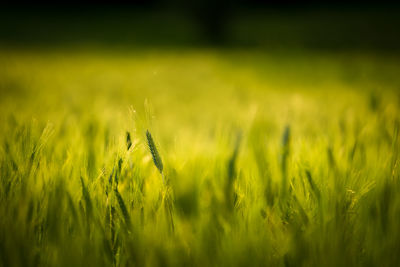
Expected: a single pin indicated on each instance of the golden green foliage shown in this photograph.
(311, 180)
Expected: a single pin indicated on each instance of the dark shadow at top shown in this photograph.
(236, 24)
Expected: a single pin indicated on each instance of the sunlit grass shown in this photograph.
(233, 158)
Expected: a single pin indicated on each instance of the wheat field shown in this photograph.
(198, 157)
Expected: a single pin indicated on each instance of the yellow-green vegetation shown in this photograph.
(198, 158)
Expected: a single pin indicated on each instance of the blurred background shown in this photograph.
(320, 80)
(367, 25)
(195, 59)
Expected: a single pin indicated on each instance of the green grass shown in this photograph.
(199, 158)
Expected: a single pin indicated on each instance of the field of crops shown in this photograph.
(199, 157)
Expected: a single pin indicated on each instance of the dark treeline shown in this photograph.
(269, 24)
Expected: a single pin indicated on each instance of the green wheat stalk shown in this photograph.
(284, 159)
(154, 153)
(124, 210)
(158, 162)
(128, 140)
